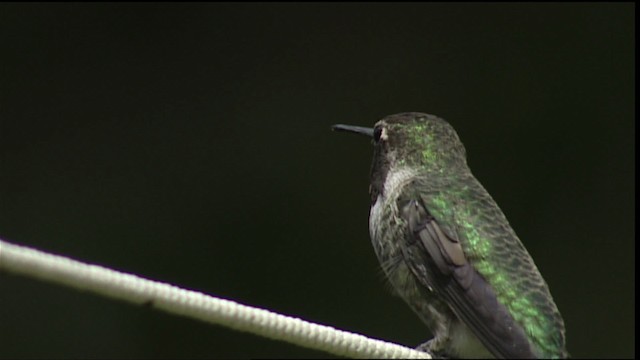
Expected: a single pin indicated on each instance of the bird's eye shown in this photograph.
(377, 132)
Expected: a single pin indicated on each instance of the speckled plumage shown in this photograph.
(448, 250)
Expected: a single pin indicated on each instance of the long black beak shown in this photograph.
(354, 129)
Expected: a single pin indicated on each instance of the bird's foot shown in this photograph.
(433, 348)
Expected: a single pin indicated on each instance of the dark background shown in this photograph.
(191, 144)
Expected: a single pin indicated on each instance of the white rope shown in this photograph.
(62, 270)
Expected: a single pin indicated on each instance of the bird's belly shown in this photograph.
(387, 232)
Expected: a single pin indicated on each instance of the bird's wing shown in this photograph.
(435, 256)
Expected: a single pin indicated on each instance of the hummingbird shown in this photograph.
(448, 250)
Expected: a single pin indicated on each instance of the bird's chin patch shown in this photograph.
(375, 216)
